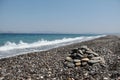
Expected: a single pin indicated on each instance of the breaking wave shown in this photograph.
(12, 48)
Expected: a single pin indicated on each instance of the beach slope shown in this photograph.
(49, 65)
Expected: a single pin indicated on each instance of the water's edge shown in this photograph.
(11, 53)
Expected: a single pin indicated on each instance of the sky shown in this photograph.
(62, 16)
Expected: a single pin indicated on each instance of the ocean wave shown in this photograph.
(11, 48)
(22, 45)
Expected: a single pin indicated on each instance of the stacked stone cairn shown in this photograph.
(82, 56)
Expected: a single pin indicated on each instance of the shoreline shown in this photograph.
(37, 65)
(48, 45)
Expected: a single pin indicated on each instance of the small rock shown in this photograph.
(93, 61)
(69, 59)
(75, 50)
(80, 51)
(70, 79)
(102, 60)
(84, 63)
(118, 78)
(85, 55)
(1, 78)
(85, 48)
(81, 56)
(85, 74)
(105, 78)
(70, 64)
(78, 64)
(41, 77)
(73, 55)
(91, 52)
(76, 60)
(85, 59)
(96, 58)
(90, 56)
(29, 78)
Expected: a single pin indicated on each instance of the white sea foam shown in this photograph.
(11, 48)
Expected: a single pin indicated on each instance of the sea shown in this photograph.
(12, 44)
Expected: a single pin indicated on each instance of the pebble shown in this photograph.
(96, 58)
(85, 59)
(29, 78)
(75, 50)
(84, 63)
(90, 56)
(118, 78)
(91, 52)
(84, 47)
(76, 60)
(70, 64)
(69, 59)
(81, 56)
(41, 77)
(102, 61)
(105, 78)
(78, 63)
(80, 51)
(70, 79)
(1, 78)
(93, 61)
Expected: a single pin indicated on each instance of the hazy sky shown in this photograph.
(71, 16)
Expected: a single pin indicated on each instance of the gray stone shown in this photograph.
(85, 48)
(84, 63)
(80, 51)
(93, 61)
(69, 59)
(76, 60)
(70, 65)
(81, 56)
(75, 50)
(90, 56)
(1, 78)
(91, 52)
(96, 58)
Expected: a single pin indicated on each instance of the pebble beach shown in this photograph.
(57, 63)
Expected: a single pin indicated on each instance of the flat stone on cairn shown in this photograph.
(82, 56)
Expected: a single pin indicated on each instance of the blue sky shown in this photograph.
(64, 16)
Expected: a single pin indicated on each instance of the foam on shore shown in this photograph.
(12, 49)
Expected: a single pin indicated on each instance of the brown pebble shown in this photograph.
(70, 79)
(29, 78)
(78, 64)
(85, 59)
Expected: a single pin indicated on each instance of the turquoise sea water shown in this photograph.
(15, 44)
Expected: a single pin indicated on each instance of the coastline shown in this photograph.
(37, 65)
